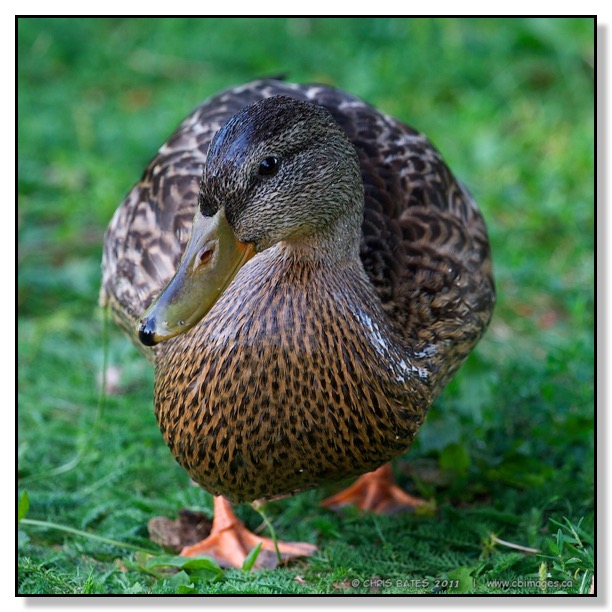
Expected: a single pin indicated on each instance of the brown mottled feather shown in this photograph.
(330, 371)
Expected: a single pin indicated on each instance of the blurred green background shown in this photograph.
(506, 450)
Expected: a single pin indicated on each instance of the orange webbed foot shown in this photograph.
(230, 542)
(377, 492)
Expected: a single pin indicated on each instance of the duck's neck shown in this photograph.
(337, 245)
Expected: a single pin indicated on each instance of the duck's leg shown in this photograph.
(230, 542)
(377, 492)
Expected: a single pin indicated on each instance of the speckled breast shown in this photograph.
(286, 398)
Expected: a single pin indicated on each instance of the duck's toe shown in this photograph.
(377, 492)
(230, 543)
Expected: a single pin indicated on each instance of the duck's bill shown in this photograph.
(212, 258)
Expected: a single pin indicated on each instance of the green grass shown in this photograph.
(507, 452)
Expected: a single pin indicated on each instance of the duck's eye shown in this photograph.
(268, 166)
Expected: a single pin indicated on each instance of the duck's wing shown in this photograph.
(424, 242)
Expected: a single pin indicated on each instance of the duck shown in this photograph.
(306, 275)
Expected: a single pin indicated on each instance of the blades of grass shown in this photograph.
(525, 549)
(259, 508)
(576, 531)
(24, 506)
(583, 584)
(85, 534)
(251, 558)
(91, 431)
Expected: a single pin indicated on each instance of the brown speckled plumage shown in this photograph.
(309, 369)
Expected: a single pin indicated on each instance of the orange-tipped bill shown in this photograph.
(211, 260)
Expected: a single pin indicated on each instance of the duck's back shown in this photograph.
(424, 244)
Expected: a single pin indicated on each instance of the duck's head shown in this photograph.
(281, 170)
